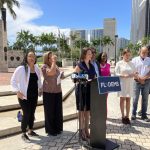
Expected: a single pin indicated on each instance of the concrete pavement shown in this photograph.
(134, 137)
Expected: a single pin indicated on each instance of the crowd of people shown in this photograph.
(26, 82)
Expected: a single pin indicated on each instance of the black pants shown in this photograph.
(28, 107)
(53, 112)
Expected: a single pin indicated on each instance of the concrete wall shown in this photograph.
(15, 58)
(67, 62)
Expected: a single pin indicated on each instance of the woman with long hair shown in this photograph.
(83, 92)
(52, 95)
(26, 82)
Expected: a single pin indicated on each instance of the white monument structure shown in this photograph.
(3, 47)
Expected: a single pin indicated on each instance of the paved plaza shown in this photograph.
(134, 137)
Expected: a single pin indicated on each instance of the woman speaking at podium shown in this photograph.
(83, 91)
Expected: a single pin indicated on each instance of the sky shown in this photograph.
(39, 16)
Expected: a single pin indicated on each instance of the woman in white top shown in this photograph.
(26, 82)
(126, 71)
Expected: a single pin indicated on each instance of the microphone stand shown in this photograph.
(80, 83)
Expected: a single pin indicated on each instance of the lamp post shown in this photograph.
(58, 44)
(116, 36)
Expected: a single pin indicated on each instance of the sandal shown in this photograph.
(82, 135)
(87, 134)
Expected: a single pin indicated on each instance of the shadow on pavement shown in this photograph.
(127, 145)
(138, 122)
(54, 142)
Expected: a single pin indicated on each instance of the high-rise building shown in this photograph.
(81, 34)
(110, 30)
(140, 23)
(96, 34)
(122, 43)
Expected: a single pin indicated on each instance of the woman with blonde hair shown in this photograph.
(52, 95)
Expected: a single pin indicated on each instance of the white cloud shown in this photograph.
(28, 12)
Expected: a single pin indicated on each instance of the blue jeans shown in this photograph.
(144, 89)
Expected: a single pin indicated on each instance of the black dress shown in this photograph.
(82, 91)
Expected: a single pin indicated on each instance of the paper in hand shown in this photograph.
(59, 78)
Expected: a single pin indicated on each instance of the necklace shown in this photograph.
(103, 66)
(32, 69)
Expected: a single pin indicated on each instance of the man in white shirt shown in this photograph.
(142, 82)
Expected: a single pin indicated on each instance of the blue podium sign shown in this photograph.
(108, 84)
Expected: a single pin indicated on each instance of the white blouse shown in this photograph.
(125, 68)
(20, 81)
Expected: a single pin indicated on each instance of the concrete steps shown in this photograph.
(10, 124)
(9, 107)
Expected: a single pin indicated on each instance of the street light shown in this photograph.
(58, 44)
(116, 36)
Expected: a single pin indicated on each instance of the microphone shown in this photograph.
(85, 74)
(77, 77)
(74, 76)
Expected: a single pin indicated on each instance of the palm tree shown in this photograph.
(10, 4)
(134, 48)
(106, 40)
(47, 40)
(96, 43)
(43, 40)
(24, 38)
(51, 39)
(81, 43)
(34, 41)
(145, 40)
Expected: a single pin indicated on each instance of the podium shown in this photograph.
(98, 120)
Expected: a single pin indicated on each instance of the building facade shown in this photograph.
(140, 21)
(96, 34)
(110, 30)
(81, 34)
(121, 44)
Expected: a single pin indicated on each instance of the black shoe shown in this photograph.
(133, 117)
(124, 120)
(145, 118)
(59, 132)
(140, 113)
(25, 138)
(32, 133)
(128, 121)
(52, 134)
